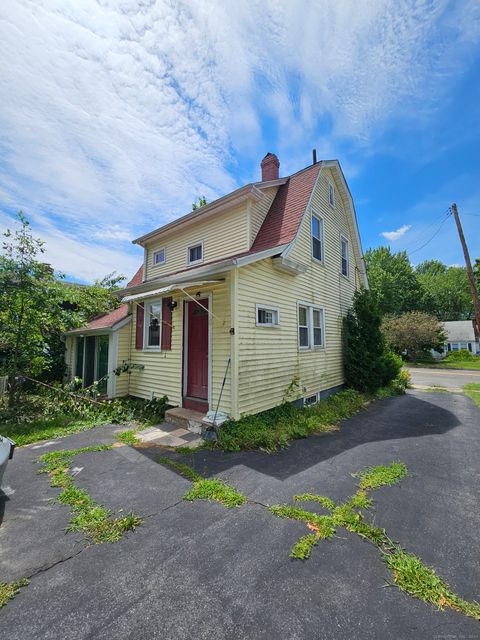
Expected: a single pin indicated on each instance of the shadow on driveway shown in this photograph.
(411, 418)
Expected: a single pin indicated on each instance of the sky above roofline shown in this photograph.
(120, 114)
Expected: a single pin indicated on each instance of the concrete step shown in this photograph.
(185, 419)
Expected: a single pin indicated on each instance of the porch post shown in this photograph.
(234, 343)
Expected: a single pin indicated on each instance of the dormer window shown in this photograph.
(195, 253)
(158, 257)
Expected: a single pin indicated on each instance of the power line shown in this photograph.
(449, 213)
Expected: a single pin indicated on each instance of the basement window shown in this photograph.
(310, 400)
(267, 316)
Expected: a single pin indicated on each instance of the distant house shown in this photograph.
(461, 335)
(251, 289)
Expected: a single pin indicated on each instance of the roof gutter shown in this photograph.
(202, 271)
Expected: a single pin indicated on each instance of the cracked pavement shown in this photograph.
(199, 570)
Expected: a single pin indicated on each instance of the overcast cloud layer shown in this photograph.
(115, 115)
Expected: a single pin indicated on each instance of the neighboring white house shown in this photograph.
(461, 335)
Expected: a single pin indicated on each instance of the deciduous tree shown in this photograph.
(413, 332)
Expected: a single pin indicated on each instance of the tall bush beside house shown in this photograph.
(413, 333)
(369, 363)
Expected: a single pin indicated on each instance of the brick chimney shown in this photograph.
(270, 166)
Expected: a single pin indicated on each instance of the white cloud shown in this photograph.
(396, 235)
(115, 232)
(119, 113)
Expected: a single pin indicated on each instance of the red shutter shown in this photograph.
(139, 327)
(166, 324)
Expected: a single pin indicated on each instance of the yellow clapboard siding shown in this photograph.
(269, 358)
(222, 236)
(162, 372)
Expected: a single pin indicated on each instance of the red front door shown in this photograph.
(197, 352)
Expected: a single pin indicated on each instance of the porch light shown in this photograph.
(172, 305)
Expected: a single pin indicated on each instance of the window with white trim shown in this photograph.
(317, 237)
(311, 327)
(331, 194)
(195, 253)
(152, 324)
(267, 316)
(158, 257)
(345, 256)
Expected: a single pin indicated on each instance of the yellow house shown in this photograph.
(238, 305)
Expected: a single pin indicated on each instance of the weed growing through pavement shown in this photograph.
(409, 572)
(93, 519)
(128, 437)
(206, 488)
(8, 590)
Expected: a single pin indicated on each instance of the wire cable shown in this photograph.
(449, 213)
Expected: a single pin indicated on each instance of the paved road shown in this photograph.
(200, 571)
(449, 378)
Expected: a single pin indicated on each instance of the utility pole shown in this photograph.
(471, 277)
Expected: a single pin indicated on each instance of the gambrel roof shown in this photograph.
(279, 228)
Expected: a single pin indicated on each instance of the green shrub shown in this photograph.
(462, 355)
(369, 364)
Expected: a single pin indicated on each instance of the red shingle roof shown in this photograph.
(288, 207)
(280, 224)
(137, 278)
(106, 321)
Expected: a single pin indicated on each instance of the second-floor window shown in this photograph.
(158, 257)
(195, 253)
(317, 237)
(345, 258)
(331, 194)
(153, 324)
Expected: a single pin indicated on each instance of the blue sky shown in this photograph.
(115, 115)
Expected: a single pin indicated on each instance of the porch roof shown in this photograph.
(168, 289)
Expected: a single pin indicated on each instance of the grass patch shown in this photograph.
(8, 590)
(215, 489)
(272, 430)
(206, 488)
(128, 437)
(473, 364)
(45, 428)
(473, 391)
(302, 549)
(414, 577)
(95, 520)
(53, 414)
(374, 477)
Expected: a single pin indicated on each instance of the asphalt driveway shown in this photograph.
(198, 570)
